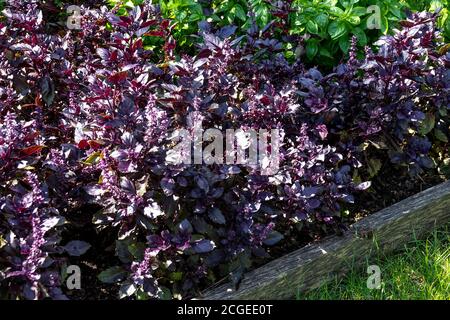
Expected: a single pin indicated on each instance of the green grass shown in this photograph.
(420, 272)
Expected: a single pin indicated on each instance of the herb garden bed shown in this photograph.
(317, 263)
(94, 108)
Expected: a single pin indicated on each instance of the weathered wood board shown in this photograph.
(318, 263)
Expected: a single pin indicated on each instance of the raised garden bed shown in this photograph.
(317, 263)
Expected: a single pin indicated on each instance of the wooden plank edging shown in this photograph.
(317, 263)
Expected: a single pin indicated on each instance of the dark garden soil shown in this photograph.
(390, 186)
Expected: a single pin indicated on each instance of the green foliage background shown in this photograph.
(325, 27)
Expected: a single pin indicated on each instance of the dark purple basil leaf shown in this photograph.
(185, 226)
(216, 192)
(197, 193)
(313, 203)
(231, 169)
(122, 251)
(182, 181)
(273, 238)
(348, 198)
(216, 216)
(76, 247)
(97, 108)
(203, 246)
(309, 192)
(150, 287)
(153, 211)
(127, 290)
(205, 53)
(103, 53)
(204, 26)
(127, 185)
(52, 222)
(202, 183)
(227, 31)
(47, 90)
(168, 185)
(30, 292)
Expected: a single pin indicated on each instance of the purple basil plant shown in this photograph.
(87, 118)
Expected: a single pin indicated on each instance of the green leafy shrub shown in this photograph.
(432, 6)
(318, 31)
